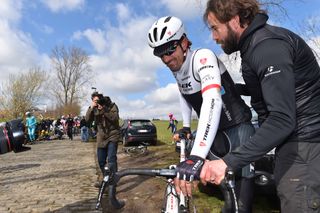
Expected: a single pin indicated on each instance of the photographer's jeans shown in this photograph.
(84, 134)
(109, 153)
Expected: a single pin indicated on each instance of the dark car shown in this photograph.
(135, 131)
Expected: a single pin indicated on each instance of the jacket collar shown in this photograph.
(259, 21)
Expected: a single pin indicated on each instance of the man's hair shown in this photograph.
(225, 10)
(96, 94)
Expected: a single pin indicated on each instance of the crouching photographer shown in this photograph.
(105, 115)
(12, 136)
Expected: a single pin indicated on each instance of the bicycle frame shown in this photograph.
(173, 202)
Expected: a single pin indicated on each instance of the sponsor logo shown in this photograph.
(210, 118)
(226, 112)
(203, 61)
(190, 162)
(185, 85)
(207, 78)
(206, 67)
(169, 33)
(185, 78)
(202, 143)
(271, 70)
(197, 165)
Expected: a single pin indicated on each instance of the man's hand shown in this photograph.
(213, 171)
(188, 171)
(94, 103)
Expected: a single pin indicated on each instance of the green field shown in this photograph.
(207, 199)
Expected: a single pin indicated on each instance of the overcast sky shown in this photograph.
(114, 34)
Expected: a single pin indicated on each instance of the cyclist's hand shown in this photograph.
(185, 187)
(184, 132)
(213, 171)
(190, 169)
(187, 172)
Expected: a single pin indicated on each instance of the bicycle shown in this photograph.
(173, 203)
(136, 150)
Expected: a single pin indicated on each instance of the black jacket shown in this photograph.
(283, 79)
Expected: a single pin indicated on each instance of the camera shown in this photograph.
(12, 136)
(104, 101)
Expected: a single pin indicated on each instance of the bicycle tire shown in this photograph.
(135, 151)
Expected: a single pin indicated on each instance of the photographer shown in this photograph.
(105, 115)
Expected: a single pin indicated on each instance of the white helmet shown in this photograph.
(28, 113)
(164, 30)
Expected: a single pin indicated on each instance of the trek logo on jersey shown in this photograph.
(206, 132)
(185, 85)
(271, 70)
(203, 61)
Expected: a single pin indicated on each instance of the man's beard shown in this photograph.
(231, 42)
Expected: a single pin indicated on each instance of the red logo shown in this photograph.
(169, 33)
(203, 61)
(203, 143)
(190, 162)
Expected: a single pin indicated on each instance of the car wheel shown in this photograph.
(154, 142)
(124, 141)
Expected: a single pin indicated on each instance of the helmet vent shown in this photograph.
(155, 34)
(163, 32)
(150, 38)
(167, 19)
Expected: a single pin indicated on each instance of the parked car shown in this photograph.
(135, 131)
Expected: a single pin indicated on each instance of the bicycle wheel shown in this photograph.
(135, 150)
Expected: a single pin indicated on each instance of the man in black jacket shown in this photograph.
(282, 77)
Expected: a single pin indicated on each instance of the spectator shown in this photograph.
(105, 114)
(31, 124)
(69, 126)
(84, 130)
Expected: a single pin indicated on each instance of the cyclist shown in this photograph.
(205, 86)
(283, 78)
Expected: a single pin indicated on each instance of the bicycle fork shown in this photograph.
(173, 202)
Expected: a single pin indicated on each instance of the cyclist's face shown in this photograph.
(223, 33)
(175, 60)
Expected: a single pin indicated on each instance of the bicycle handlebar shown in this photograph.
(111, 180)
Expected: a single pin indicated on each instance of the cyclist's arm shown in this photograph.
(206, 67)
(186, 111)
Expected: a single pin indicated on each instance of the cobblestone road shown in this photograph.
(54, 176)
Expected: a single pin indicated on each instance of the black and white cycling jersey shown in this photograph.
(206, 86)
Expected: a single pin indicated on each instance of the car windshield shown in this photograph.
(140, 123)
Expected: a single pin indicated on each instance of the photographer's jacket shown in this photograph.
(283, 79)
(107, 124)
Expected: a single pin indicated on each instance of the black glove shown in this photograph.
(184, 132)
(190, 169)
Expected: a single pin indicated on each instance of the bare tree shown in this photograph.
(71, 73)
(22, 92)
(310, 30)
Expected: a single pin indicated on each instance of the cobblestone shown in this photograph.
(54, 176)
